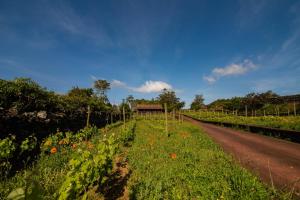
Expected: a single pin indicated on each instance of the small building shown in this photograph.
(149, 108)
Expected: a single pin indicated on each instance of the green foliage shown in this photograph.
(253, 101)
(128, 133)
(25, 95)
(169, 97)
(7, 147)
(101, 87)
(49, 172)
(287, 122)
(81, 92)
(187, 165)
(198, 102)
(28, 144)
(87, 168)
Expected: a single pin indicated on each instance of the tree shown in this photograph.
(101, 87)
(130, 101)
(169, 97)
(198, 102)
(81, 92)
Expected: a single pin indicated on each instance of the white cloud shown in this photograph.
(152, 86)
(209, 79)
(94, 78)
(147, 87)
(119, 84)
(230, 70)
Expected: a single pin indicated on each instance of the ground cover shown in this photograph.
(282, 122)
(186, 164)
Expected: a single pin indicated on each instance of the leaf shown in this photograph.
(16, 194)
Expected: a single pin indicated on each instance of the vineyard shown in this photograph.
(181, 164)
(69, 165)
(281, 122)
(80, 146)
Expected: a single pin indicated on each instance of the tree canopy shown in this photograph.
(198, 102)
(169, 97)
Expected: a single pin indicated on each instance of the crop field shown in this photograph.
(186, 165)
(69, 165)
(181, 164)
(282, 122)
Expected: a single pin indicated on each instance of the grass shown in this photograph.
(283, 122)
(187, 165)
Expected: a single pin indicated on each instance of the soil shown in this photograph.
(116, 186)
(275, 161)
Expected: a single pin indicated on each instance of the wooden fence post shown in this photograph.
(88, 116)
(295, 112)
(166, 117)
(246, 111)
(124, 120)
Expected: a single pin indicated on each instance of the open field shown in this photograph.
(140, 161)
(186, 165)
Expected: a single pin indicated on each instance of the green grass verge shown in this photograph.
(187, 165)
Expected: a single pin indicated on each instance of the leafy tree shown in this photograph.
(130, 101)
(169, 97)
(81, 92)
(198, 102)
(101, 87)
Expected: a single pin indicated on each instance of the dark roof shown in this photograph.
(149, 107)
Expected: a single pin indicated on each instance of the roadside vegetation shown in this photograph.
(281, 122)
(187, 164)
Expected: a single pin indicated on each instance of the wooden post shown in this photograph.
(246, 111)
(288, 112)
(295, 112)
(124, 120)
(166, 117)
(264, 112)
(88, 116)
(173, 114)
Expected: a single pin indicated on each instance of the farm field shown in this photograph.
(183, 164)
(186, 165)
(69, 165)
(282, 122)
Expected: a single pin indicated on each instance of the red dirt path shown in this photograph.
(274, 160)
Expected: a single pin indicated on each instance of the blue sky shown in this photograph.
(216, 48)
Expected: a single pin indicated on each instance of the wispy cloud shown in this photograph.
(233, 69)
(147, 87)
(21, 70)
(209, 79)
(63, 16)
(118, 84)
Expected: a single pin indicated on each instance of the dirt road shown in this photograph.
(275, 161)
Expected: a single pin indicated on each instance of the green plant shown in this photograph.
(28, 144)
(7, 147)
(186, 165)
(87, 168)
